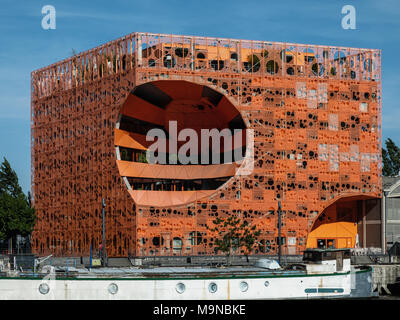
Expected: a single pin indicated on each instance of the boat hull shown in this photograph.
(316, 286)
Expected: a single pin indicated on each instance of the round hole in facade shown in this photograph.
(112, 288)
(212, 287)
(253, 63)
(272, 67)
(317, 69)
(266, 283)
(243, 286)
(180, 288)
(190, 106)
(44, 288)
(181, 52)
(217, 64)
(157, 242)
(169, 61)
(264, 54)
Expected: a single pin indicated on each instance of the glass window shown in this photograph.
(331, 243)
(321, 243)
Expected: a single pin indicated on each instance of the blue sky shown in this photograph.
(25, 46)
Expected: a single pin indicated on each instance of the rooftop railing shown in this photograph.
(167, 53)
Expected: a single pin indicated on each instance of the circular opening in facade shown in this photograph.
(157, 242)
(272, 67)
(264, 54)
(181, 52)
(169, 61)
(167, 124)
(266, 283)
(317, 69)
(253, 63)
(217, 64)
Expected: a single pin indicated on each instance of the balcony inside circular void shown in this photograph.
(177, 174)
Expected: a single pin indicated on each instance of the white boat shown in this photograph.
(324, 273)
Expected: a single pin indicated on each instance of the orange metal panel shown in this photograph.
(125, 139)
(178, 172)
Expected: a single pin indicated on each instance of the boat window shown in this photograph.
(312, 256)
(321, 243)
(326, 243)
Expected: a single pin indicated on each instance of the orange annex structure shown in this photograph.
(314, 112)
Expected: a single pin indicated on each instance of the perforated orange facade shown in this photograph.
(316, 116)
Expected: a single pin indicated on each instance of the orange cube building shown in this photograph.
(315, 117)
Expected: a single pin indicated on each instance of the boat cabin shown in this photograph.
(327, 260)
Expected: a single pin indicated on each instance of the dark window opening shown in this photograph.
(181, 52)
(176, 184)
(317, 69)
(137, 126)
(308, 59)
(252, 64)
(289, 58)
(283, 241)
(217, 64)
(156, 241)
(290, 71)
(169, 61)
(272, 67)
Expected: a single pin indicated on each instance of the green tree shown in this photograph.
(391, 159)
(17, 217)
(234, 233)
